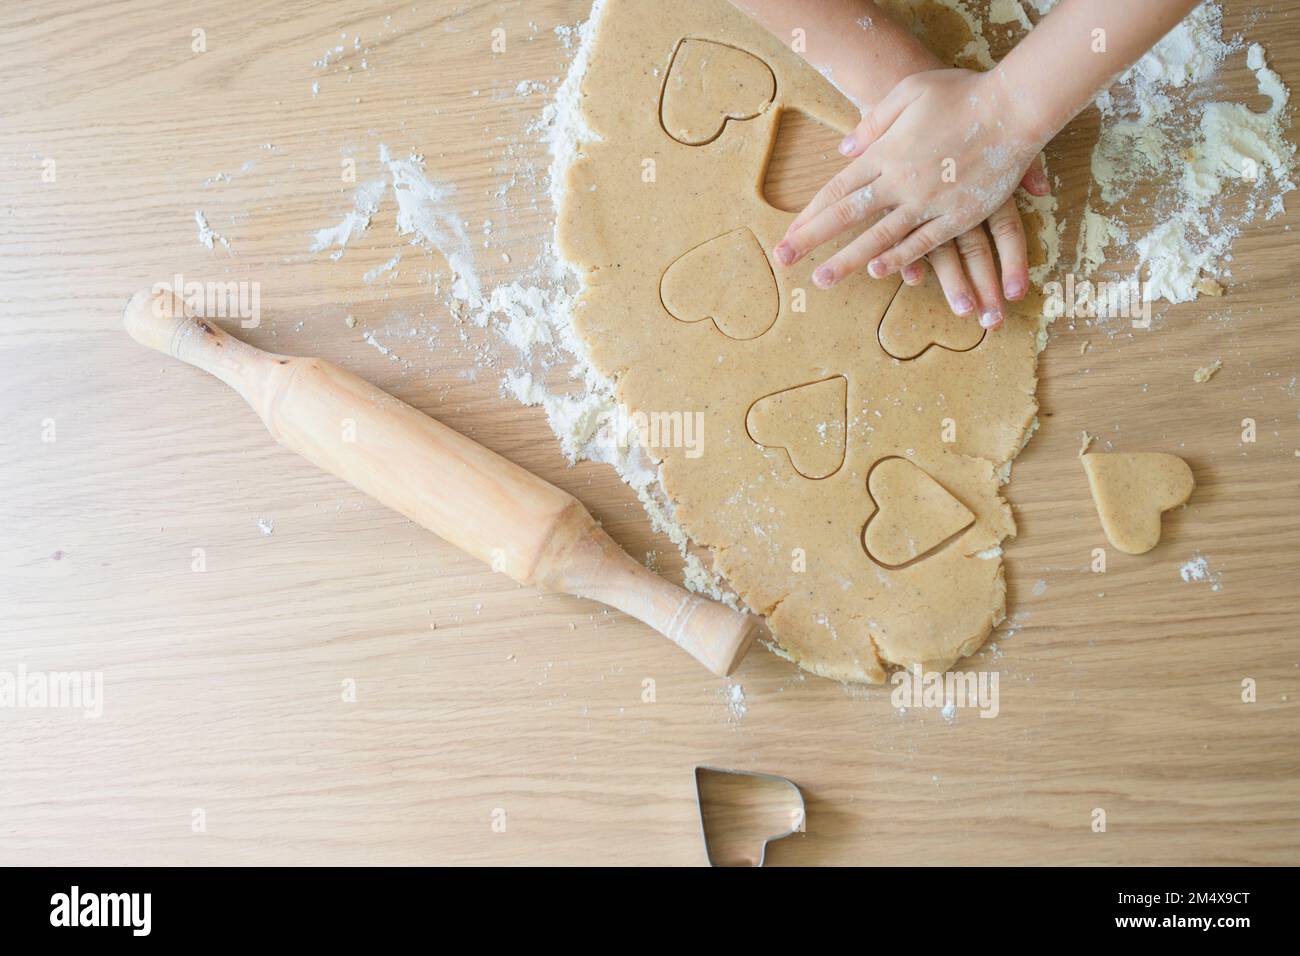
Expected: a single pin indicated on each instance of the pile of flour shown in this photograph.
(1208, 167)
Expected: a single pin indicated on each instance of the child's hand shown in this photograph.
(940, 154)
(967, 270)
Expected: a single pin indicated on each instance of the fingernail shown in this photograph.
(911, 275)
(1015, 289)
(847, 145)
(963, 304)
(823, 277)
(877, 269)
(990, 318)
(784, 253)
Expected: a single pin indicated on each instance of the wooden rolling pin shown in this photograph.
(472, 497)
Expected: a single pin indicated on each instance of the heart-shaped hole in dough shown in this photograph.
(709, 84)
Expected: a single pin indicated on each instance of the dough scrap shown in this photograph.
(1131, 491)
(919, 318)
(957, 416)
(709, 84)
(807, 421)
(914, 514)
(1207, 372)
(726, 279)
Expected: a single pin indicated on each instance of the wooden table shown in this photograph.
(226, 735)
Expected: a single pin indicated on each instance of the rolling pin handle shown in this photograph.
(158, 319)
(596, 567)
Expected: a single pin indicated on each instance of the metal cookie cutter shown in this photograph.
(797, 819)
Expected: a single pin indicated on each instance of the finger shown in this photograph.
(1009, 238)
(861, 172)
(952, 279)
(1035, 179)
(977, 258)
(878, 119)
(857, 207)
(914, 272)
(921, 242)
(863, 249)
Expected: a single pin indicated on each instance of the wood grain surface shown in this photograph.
(478, 701)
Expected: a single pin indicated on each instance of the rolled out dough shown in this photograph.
(803, 392)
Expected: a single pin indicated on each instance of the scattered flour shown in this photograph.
(1198, 569)
(735, 697)
(207, 235)
(386, 268)
(365, 203)
(374, 343)
(266, 526)
(1158, 134)
(424, 214)
(1096, 234)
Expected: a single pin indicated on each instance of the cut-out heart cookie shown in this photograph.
(808, 421)
(919, 317)
(707, 85)
(727, 279)
(1132, 490)
(914, 514)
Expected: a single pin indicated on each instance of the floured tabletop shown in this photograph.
(293, 674)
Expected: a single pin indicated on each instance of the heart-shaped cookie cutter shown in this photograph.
(799, 820)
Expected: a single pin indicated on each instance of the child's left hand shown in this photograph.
(940, 154)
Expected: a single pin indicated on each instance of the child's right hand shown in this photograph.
(897, 178)
(868, 53)
(966, 268)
